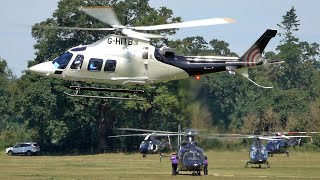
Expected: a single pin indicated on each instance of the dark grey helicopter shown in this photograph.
(150, 144)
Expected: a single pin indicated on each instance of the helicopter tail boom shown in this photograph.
(254, 53)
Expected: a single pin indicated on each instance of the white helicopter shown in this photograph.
(127, 57)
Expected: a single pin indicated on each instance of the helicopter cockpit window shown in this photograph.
(192, 156)
(110, 65)
(77, 63)
(62, 61)
(95, 64)
(143, 144)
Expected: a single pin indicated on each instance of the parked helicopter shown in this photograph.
(150, 145)
(258, 153)
(127, 57)
(281, 145)
(191, 157)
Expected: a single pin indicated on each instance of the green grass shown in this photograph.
(222, 165)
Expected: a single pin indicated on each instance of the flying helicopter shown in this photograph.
(127, 58)
(150, 145)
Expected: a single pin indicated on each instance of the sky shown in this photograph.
(252, 17)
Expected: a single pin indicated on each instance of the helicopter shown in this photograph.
(150, 145)
(281, 145)
(190, 156)
(258, 153)
(127, 57)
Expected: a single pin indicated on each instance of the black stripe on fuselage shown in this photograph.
(197, 66)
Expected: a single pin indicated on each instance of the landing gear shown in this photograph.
(247, 165)
(196, 173)
(268, 165)
(78, 88)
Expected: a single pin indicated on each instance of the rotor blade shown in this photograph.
(127, 135)
(288, 137)
(267, 138)
(139, 35)
(146, 130)
(196, 23)
(160, 135)
(73, 28)
(104, 14)
(295, 132)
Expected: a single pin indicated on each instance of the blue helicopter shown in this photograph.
(191, 157)
(258, 152)
(285, 140)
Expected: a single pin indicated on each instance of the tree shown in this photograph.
(300, 57)
(6, 80)
(289, 24)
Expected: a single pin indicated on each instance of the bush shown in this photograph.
(16, 134)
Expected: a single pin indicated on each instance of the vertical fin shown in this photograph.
(254, 53)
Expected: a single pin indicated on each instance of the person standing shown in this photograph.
(174, 162)
(205, 164)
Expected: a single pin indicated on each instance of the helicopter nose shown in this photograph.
(45, 68)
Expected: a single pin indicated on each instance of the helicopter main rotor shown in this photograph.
(107, 15)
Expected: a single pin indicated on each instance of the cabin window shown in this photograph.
(145, 53)
(62, 61)
(110, 65)
(77, 62)
(95, 64)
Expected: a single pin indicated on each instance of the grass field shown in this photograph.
(222, 165)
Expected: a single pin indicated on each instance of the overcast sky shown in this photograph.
(252, 17)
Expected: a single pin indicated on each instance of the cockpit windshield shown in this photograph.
(192, 156)
(62, 61)
(143, 144)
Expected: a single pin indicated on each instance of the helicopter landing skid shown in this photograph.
(247, 164)
(78, 88)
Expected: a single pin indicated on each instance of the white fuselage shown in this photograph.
(118, 60)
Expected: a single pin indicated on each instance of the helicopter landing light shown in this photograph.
(45, 68)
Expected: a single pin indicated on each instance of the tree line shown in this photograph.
(36, 108)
